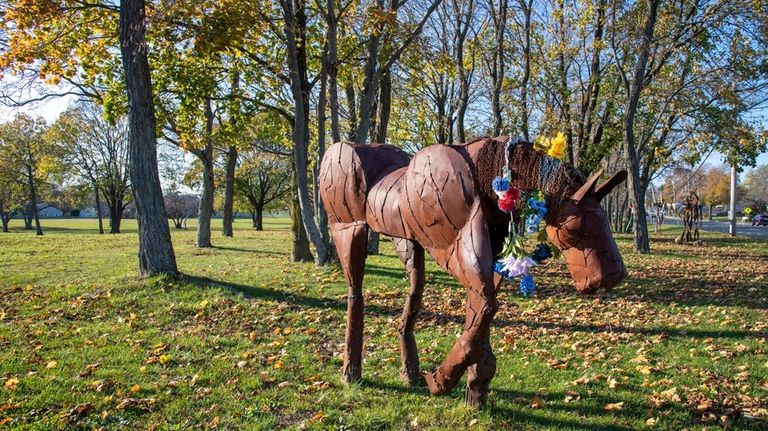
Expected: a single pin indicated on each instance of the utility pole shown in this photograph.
(732, 210)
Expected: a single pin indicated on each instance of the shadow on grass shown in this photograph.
(593, 410)
(444, 319)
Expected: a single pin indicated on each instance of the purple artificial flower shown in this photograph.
(512, 266)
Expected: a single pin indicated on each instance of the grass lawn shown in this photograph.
(247, 340)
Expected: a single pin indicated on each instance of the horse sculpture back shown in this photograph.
(441, 201)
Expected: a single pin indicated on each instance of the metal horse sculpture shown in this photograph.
(441, 201)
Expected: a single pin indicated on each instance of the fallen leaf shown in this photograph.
(536, 402)
(651, 421)
(644, 369)
(51, 365)
(318, 417)
(11, 383)
(614, 407)
(135, 388)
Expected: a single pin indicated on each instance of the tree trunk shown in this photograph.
(497, 74)
(258, 224)
(321, 218)
(385, 107)
(115, 216)
(156, 254)
(349, 90)
(229, 193)
(28, 216)
(300, 251)
(634, 183)
(332, 66)
(295, 27)
(205, 212)
(370, 86)
(33, 199)
(98, 209)
(526, 7)
(5, 218)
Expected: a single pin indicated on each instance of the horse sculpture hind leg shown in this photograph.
(351, 241)
(412, 255)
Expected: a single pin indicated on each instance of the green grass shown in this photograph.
(247, 340)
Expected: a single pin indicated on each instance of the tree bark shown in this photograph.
(229, 192)
(156, 254)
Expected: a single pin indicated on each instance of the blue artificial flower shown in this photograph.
(532, 223)
(527, 287)
(540, 206)
(500, 184)
(543, 252)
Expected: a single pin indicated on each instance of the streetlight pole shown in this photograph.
(732, 210)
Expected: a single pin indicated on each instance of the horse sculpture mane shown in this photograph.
(441, 201)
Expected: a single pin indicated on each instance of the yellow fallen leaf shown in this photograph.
(644, 369)
(164, 359)
(135, 388)
(612, 407)
(651, 422)
(278, 365)
(51, 365)
(11, 383)
(318, 417)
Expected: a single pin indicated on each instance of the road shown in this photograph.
(742, 229)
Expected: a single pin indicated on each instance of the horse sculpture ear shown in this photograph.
(603, 189)
(587, 188)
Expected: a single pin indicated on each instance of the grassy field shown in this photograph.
(247, 340)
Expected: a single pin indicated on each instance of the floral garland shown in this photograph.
(516, 261)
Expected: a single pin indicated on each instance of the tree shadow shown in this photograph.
(428, 317)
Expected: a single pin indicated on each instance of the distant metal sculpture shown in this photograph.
(441, 201)
(690, 213)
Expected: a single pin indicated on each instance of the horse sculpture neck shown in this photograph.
(530, 169)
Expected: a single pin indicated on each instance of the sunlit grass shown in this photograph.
(247, 340)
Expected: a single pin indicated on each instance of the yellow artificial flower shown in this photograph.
(541, 144)
(557, 146)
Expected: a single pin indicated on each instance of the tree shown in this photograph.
(180, 207)
(262, 179)
(156, 255)
(97, 152)
(31, 159)
(755, 186)
(716, 187)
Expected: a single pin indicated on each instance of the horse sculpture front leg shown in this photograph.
(470, 260)
(351, 241)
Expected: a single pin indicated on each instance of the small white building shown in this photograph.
(88, 212)
(48, 211)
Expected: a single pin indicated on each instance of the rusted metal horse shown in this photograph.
(442, 201)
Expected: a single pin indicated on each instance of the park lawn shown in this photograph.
(247, 340)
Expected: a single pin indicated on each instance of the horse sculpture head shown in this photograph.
(580, 229)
